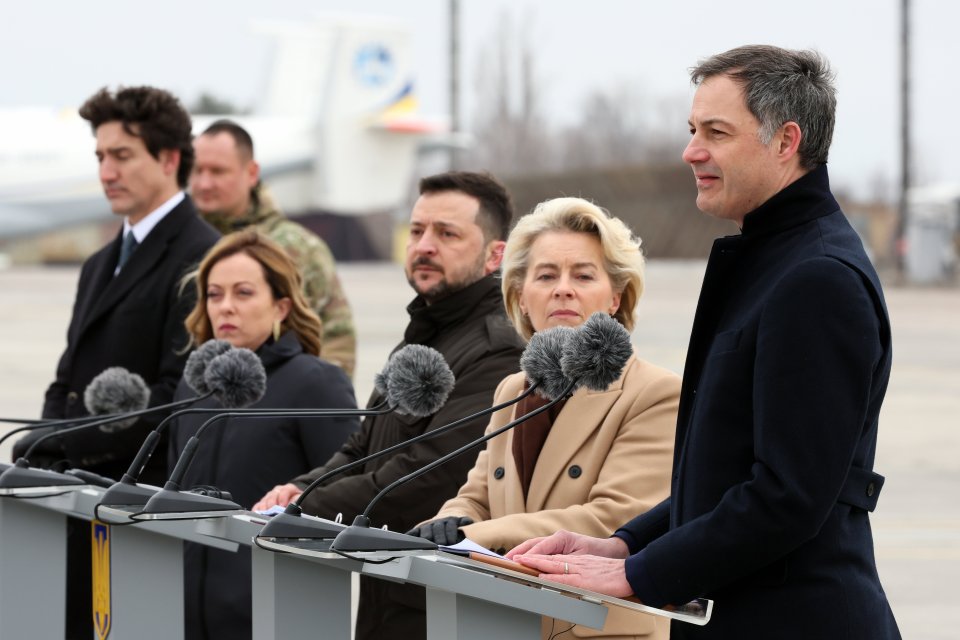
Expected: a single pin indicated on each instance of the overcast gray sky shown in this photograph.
(56, 53)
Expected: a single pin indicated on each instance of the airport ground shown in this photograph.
(916, 525)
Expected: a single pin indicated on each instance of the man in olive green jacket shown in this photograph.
(226, 188)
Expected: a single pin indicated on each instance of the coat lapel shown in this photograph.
(143, 261)
(567, 437)
(513, 501)
(101, 273)
(506, 494)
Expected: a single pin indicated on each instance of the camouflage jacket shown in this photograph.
(321, 286)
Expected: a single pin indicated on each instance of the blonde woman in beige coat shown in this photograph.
(607, 453)
(605, 457)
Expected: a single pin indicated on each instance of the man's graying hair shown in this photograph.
(782, 85)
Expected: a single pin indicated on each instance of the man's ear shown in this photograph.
(494, 255)
(169, 160)
(788, 140)
(252, 173)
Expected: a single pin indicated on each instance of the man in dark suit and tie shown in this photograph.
(129, 308)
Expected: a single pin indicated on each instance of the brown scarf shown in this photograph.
(529, 436)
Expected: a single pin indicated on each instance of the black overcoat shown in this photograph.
(787, 367)
(247, 457)
(132, 320)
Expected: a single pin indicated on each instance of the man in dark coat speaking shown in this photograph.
(786, 370)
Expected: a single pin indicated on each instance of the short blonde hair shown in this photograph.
(622, 258)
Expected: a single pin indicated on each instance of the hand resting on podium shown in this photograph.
(577, 560)
(280, 496)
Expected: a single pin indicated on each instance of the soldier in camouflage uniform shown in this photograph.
(226, 188)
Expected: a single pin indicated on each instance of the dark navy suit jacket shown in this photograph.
(786, 370)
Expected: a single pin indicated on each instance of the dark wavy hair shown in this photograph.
(153, 115)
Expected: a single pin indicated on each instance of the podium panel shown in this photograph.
(146, 584)
(301, 589)
(454, 615)
(33, 569)
(296, 599)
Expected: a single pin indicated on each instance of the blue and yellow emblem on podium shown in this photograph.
(102, 617)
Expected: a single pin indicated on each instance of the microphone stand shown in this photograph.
(31, 425)
(21, 478)
(292, 523)
(170, 503)
(359, 537)
(126, 495)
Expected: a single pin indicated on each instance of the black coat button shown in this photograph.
(498, 473)
(72, 397)
(871, 489)
(575, 471)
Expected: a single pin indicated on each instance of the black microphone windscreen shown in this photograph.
(418, 380)
(540, 361)
(116, 390)
(237, 378)
(198, 361)
(597, 352)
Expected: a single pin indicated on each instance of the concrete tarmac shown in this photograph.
(916, 525)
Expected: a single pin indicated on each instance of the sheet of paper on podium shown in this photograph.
(470, 554)
(467, 546)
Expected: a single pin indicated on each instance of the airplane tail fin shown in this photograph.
(351, 80)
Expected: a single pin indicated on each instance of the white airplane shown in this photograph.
(337, 131)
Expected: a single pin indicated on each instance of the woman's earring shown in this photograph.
(276, 330)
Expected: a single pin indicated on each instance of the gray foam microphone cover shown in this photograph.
(418, 380)
(540, 361)
(116, 390)
(237, 378)
(198, 361)
(597, 352)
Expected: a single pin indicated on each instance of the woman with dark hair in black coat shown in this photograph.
(249, 295)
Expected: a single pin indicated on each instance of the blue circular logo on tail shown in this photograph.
(374, 65)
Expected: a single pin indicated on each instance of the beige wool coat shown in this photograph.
(607, 458)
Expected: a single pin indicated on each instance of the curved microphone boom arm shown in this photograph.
(360, 537)
(290, 524)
